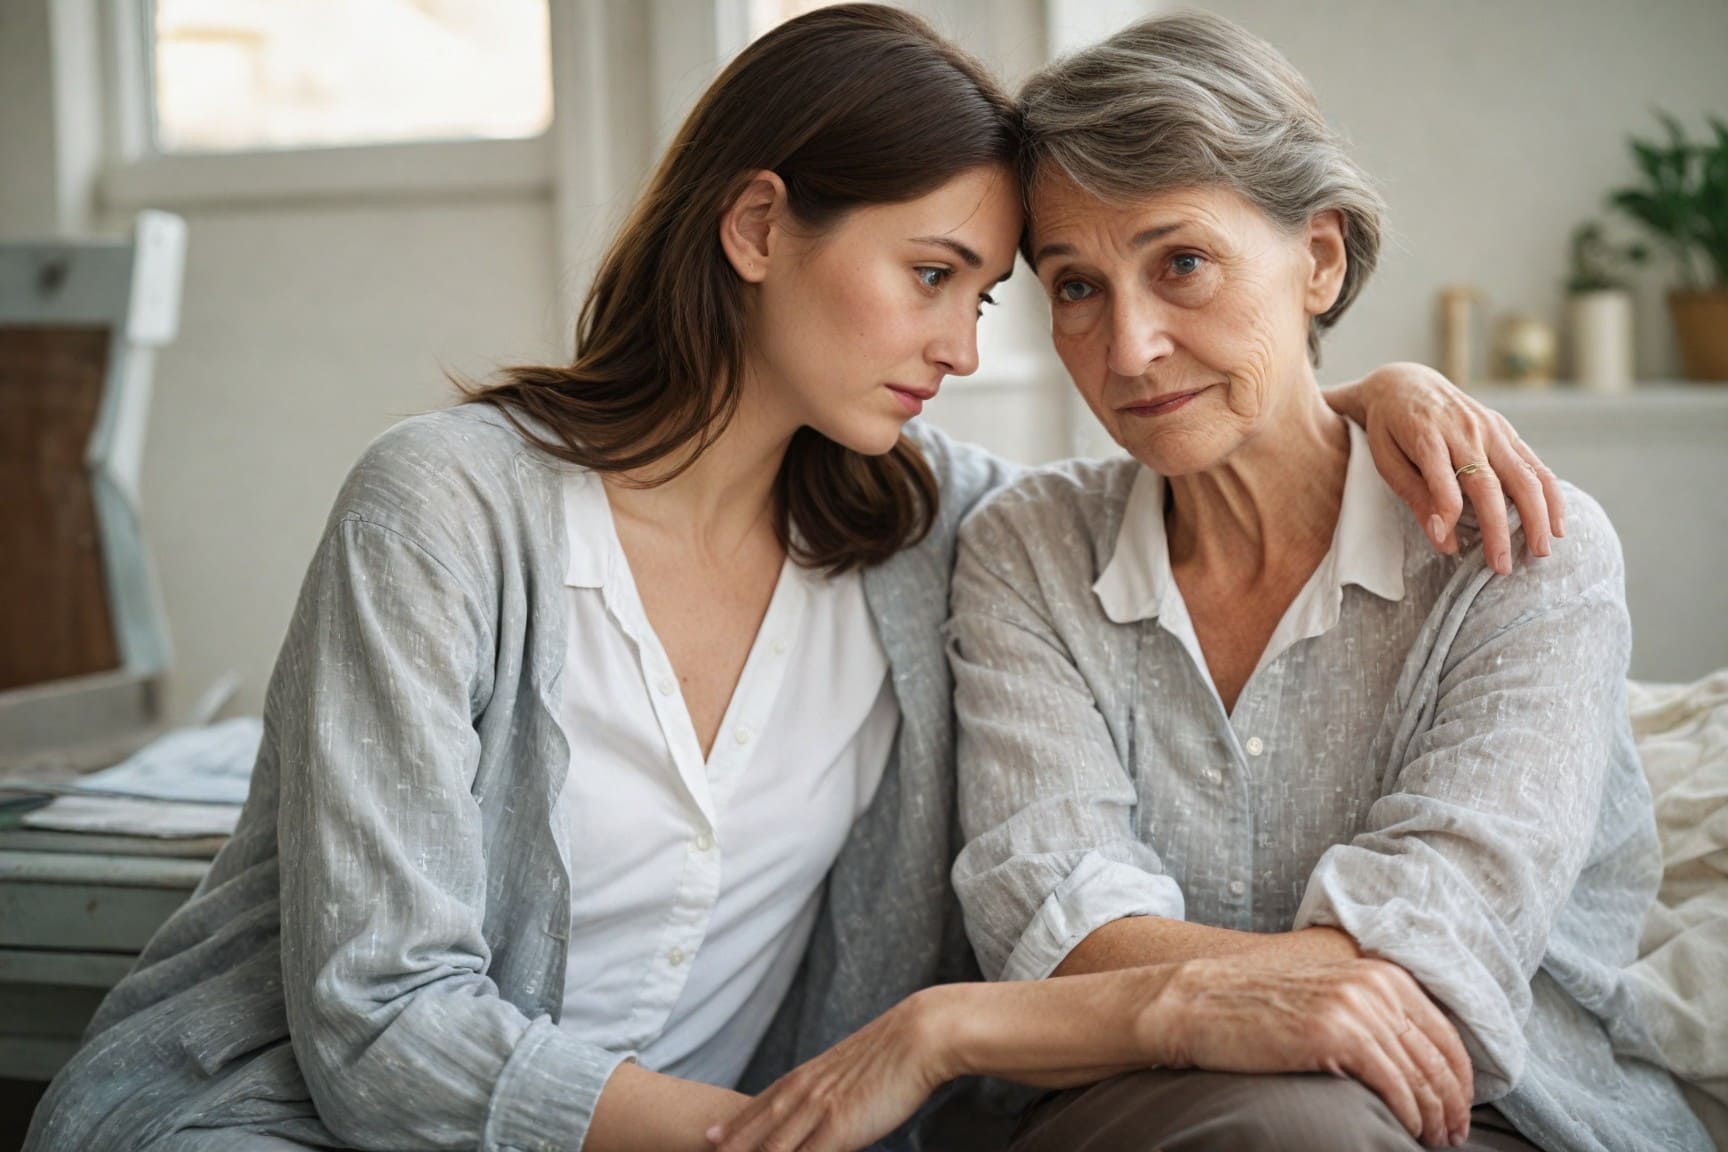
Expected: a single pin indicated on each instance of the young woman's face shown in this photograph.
(854, 329)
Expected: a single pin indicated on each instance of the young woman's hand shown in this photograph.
(1424, 432)
(1366, 1019)
(853, 1094)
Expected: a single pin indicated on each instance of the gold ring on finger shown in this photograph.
(1470, 469)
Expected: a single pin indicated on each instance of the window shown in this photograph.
(257, 75)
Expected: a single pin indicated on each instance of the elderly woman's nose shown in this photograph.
(1138, 336)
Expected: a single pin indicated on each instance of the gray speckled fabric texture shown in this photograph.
(1449, 776)
(376, 958)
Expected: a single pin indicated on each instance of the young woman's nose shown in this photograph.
(955, 349)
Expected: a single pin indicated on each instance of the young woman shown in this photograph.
(610, 745)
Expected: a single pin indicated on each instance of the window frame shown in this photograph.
(136, 174)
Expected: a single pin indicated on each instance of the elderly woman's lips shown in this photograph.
(1160, 405)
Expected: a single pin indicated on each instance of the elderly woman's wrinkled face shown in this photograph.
(1183, 319)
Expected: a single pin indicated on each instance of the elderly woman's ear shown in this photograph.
(1328, 260)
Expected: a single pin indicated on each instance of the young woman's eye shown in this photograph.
(932, 278)
(1185, 263)
(1073, 291)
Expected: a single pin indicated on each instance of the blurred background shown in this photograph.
(378, 192)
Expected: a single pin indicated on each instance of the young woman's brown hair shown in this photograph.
(850, 105)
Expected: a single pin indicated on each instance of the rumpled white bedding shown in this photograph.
(1680, 981)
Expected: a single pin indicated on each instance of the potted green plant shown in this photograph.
(1684, 201)
(1599, 309)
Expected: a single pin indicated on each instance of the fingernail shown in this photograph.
(1559, 525)
(1437, 530)
(1503, 563)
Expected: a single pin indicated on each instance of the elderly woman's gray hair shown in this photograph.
(1188, 100)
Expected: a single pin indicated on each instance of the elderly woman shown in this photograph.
(1218, 699)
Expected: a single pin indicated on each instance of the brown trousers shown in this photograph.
(1181, 1111)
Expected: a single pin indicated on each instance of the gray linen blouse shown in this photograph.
(1441, 765)
(376, 958)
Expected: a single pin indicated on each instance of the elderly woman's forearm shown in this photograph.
(1056, 1033)
(1141, 940)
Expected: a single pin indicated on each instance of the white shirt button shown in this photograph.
(665, 686)
(1237, 887)
(779, 647)
(742, 735)
(675, 957)
(1256, 745)
(704, 842)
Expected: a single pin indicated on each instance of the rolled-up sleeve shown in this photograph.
(400, 1033)
(1495, 779)
(1046, 805)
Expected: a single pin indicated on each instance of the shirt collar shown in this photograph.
(1136, 583)
(588, 531)
(1367, 545)
(1369, 540)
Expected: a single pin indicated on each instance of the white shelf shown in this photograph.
(1673, 408)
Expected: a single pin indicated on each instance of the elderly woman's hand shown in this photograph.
(1366, 1019)
(1423, 430)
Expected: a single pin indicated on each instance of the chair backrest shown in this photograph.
(83, 639)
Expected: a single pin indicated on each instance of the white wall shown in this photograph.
(305, 332)
(32, 112)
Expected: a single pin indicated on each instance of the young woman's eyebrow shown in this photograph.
(971, 258)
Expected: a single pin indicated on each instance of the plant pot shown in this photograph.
(1701, 322)
(1599, 336)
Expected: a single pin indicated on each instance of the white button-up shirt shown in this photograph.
(698, 881)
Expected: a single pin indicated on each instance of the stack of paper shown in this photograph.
(190, 782)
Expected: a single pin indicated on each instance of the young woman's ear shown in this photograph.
(1329, 258)
(748, 226)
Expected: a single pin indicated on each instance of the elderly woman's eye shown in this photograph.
(1185, 263)
(1073, 291)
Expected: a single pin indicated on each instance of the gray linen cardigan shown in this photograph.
(376, 958)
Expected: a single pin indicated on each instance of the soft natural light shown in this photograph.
(257, 74)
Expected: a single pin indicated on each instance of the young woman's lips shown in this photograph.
(913, 402)
(1162, 406)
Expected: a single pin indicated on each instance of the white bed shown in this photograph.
(1681, 980)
